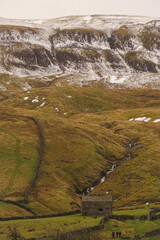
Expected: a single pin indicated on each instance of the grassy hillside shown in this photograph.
(18, 154)
(86, 131)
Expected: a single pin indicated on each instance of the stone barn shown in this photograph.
(96, 205)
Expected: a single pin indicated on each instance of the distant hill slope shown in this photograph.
(115, 50)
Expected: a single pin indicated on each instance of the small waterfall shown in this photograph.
(103, 179)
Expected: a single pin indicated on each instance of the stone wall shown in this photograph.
(79, 232)
(123, 217)
(42, 216)
(96, 208)
(152, 233)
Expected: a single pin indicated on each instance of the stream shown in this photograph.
(128, 157)
(103, 179)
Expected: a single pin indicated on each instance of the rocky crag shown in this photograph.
(119, 51)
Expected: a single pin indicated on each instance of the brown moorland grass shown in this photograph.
(83, 144)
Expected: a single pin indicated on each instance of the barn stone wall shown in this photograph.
(96, 208)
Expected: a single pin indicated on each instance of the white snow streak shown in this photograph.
(140, 119)
(144, 119)
(43, 104)
(156, 121)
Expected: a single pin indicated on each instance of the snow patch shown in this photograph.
(142, 119)
(44, 103)
(87, 19)
(116, 79)
(25, 98)
(26, 87)
(156, 121)
(35, 100)
(38, 21)
(131, 119)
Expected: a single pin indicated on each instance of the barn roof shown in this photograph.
(97, 198)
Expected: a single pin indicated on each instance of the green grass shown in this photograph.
(129, 228)
(135, 212)
(153, 238)
(9, 210)
(47, 227)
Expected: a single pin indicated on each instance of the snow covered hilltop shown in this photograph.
(119, 51)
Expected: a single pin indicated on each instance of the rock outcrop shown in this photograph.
(95, 46)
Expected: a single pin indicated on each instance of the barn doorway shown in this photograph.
(100, 210)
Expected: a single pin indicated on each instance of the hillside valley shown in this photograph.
(86, 131)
